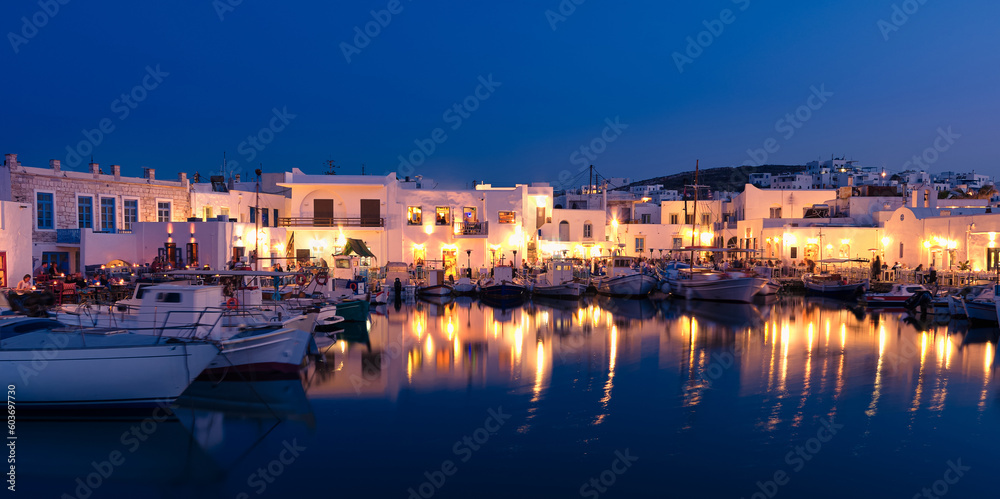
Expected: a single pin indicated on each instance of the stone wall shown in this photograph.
(24, 183)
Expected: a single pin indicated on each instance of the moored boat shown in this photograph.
(98, 369)
(625, 280)
(833, 286)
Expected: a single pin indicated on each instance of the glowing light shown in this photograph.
(829, 246)
(341, 240)
(927, 244)
(595, 251)
(450, 247)
(790, 239)
(886, 241)
(812, 240)
(428, 229)
(706, 238)
(541, 201)
(845, 241)
(614, 223)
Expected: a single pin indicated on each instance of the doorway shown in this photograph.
(323, 212)
(371, 213)
(3, 269)
(450, 259)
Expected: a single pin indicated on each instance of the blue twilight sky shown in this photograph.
(228, 69)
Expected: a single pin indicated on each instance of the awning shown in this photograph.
(357, 247)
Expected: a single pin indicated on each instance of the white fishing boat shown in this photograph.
(624, 280)
(248, 343)
(558, 281)
(464, 286)
(714, 285)
(978, 304)
(435, 284)
(110, 368)
(770, 285)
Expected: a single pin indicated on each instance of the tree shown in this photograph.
(986, 192)
(331, 167)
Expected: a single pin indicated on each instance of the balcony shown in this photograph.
(472, 229)
(68, 236)
(331, 222)
(113, 231)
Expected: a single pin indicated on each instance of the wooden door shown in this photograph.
(3, 269)
(371, 213)
(323, 212)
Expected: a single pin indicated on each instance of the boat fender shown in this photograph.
(232, 303)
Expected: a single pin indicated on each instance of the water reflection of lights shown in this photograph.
(429, 346)
(539, 370)
(612, 358)
(877, 392)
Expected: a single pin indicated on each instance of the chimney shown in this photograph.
(182, 177)
(116, 170)
(54, 164)
(11, 160)
(149, 173)
(95, 169)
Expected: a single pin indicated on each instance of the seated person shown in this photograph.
(24, 285)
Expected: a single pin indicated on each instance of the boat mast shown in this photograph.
(694, 216)
(256, 232)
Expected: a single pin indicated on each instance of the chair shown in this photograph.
(68, 290)
(57, 291)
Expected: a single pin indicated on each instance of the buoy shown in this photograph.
(321, 279)
(232, 303)
(301, 279)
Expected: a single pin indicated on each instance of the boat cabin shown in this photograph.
(559, 271)
(169, 305)
(503, 273)
(396, 270)
(435, 277)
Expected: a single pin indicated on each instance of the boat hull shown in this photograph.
(436, 290)
(628, 286)
(841, 291)
(274, 351)
(101, 375)
(567, 291)
(738, 289)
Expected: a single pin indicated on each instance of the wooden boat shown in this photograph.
(833, 286)
(625, 281)
(896, 297)
(558, 281)
(714, 285)
(435, 285)
(502, 287)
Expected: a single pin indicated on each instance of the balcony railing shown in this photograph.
(472, 228)
(331, 222)
(112, 231)
(68, 236)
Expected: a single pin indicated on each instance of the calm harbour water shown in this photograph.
(793, 397)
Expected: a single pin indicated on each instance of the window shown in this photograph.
(901, 250)
(640, 244)
(168, 297)
(208, 213)
(645, 218)
(678, 242)
(776, 212)
(108, 214)
(442, 215)
(992, 258)
(263, 217)
(45, 204)
(674, 218)
(85, 211)
(275, 217)
(163, 211)
(588, 230)
(507, 217)
(130, 213)
(706, 218)
(253, 215)
(688, 219)
(224, 212)
(469, 212)
(794, 252)
(414, 215)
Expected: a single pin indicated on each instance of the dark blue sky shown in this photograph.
(556, 88)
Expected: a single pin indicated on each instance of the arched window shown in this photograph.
(564, 231)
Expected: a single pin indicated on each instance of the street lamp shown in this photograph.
(468, 254)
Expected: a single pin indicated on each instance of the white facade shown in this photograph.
(15, 242)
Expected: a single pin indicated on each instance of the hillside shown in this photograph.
(718, 179)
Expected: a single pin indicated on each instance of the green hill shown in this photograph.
(726, 178)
